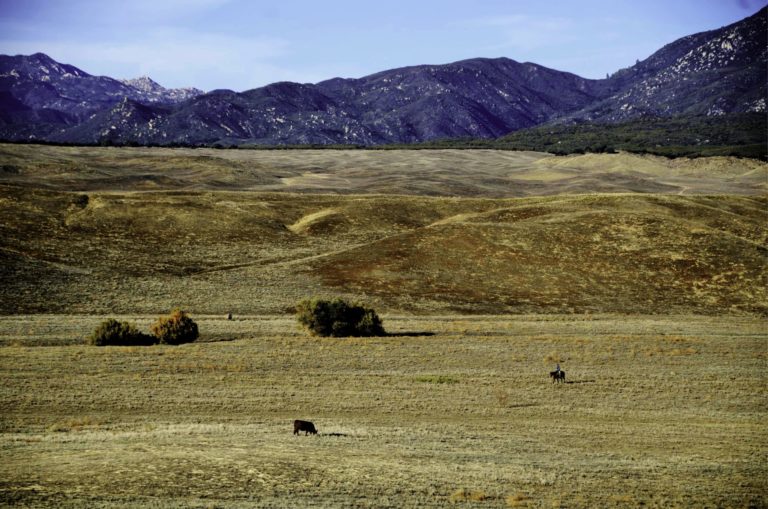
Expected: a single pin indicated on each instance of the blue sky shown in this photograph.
(241, 44)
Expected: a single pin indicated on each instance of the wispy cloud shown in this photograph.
(525, 33)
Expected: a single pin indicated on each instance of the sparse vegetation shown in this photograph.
(338, 318)
(175, 329)
(115, 333)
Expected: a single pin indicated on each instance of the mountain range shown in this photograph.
(711, 73)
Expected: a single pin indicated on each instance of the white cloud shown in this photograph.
(525, 33)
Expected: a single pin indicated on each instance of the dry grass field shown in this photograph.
(466, 173)
(656, 412)
(644, 277)
(254, 253)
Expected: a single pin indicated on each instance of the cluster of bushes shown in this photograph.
(338, 318)
(174, 329)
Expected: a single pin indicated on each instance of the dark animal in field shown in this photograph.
(305, 426)
(557, 376)
(229, 316)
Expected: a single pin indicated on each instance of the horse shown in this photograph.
(557, 376)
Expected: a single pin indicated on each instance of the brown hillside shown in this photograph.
(214, 252)
(646, 254)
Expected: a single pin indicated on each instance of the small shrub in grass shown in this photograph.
(437, 379)
(338, 318)
(175, 329)
(114, 333)
(465, 495)
(518, 500)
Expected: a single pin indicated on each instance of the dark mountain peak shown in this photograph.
(40, 83)
(221, 91)
(42, 58)
(288, 87)
(38, 57)
(38, 66)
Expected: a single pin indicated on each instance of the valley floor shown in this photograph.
(656, 411)
(644, 278)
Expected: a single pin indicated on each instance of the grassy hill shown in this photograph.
(97, 230)
(258, 252)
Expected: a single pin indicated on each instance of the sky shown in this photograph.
(241, 44)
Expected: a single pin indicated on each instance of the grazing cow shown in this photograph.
(305, 426)
(557, 376)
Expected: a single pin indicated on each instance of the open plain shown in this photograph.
(645, 278)
(655, 412)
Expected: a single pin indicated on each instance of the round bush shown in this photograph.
(114, 333)
(175, 329)
(338, 318)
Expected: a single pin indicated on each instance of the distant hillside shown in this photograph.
(449, 173)
(714, 73)
(738, 134)
(742, 135)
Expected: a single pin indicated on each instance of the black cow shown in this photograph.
(305, 426)
(557, 376)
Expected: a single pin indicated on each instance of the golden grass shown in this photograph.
(650, 302)
(469, 173)
(518, 500)
(209, 423)
(262, 253)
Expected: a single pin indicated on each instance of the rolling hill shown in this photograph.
(88, 232)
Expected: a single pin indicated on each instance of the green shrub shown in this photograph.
(113, 333)
(175, 329)
(338, 318)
